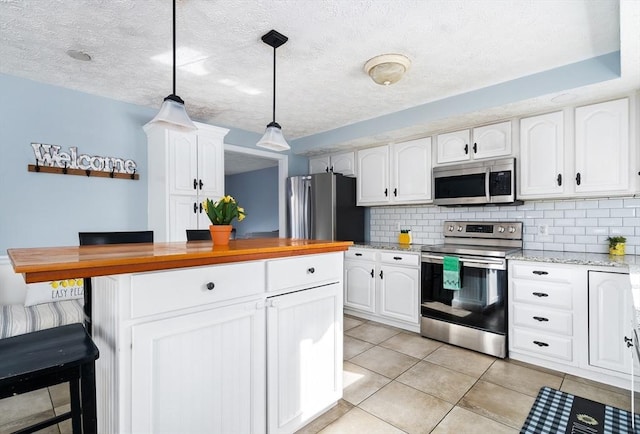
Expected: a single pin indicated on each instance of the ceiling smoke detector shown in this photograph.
(387, 69)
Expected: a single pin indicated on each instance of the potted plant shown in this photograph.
(221, 213)
(616, 245)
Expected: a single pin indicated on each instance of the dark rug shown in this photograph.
(556, 412)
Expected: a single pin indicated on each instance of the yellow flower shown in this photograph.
(224, 210)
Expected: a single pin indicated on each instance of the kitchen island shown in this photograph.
(200, 338)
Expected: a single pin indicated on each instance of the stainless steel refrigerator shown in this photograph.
(323, 207)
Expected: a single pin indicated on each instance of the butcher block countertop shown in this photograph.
(54, 263)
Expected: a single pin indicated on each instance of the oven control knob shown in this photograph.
(459, 228)
(511, 229)
(500, 229)
(451, 228)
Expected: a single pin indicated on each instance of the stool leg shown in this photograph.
(76, 411)
(88, 392)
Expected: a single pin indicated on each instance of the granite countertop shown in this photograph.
(390, 246)
(575, 258)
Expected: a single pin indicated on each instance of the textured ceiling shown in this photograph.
(225, 71)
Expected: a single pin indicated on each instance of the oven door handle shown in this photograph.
(498, 264)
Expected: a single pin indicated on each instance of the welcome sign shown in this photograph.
(53, 156)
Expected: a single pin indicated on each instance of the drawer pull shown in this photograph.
(541, 319)
(540, 294)
(540, 273)
(210, 286)
(311, 270)
(358, 254)
(541, 344)
(397, 258)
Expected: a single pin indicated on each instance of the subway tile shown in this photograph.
(553, 214)
(544, 205)
(565, 239)
(515, 215)
(575, 213)
(611, 221)
(623, 212)
(574, 230)
(526, 206)
(564, 222)
(631, 221)
(632, 203)
(553, 230)
(552, 246)
(575, 248)
(587, 204)
(586, 239)
(587, 222)
(594, 230)
(534, 246)
(534, 214)
(610, 203)
(565, 204)
(598, 212)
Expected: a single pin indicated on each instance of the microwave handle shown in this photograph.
(487, 177)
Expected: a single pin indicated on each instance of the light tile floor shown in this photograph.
(395, 382)
(399, 382)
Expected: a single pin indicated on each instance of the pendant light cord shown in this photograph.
(174, 47)
(274, 84)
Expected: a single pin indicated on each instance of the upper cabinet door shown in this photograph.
(344, 164)
(492, 141)
(183, 162)
(453, 147)
(373, 178)
(319, 165)
(411, 171)
(210, 166)
(542, 156)
(602, 147)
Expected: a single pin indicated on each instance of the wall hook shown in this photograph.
(64, 170)
(133, 175)
(37, 166)
(113, 170)
(88, 172)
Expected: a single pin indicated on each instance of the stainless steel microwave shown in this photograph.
(476, 183)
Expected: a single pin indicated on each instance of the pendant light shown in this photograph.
(273, 138)
(172, 114)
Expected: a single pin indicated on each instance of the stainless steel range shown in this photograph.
(472, 314)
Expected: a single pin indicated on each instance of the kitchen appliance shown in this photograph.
(323, 207)
(473, 316)
(477, 183)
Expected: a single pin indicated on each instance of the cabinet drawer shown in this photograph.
(543, 294)
(541, 344)
(396, 258)
(543, 319)
(304, 271)
(158, 292)
(361, 254)
(542, 273)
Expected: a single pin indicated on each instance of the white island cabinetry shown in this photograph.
(190, 350)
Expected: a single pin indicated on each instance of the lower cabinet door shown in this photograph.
(360, 285)
(201, 372)
(304, 356)
(399, 293)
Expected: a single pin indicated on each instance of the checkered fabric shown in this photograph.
(551, 412)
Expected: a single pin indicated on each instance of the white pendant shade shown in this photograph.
(273, 139)
(173, 115)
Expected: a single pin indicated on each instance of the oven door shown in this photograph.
(481, 301)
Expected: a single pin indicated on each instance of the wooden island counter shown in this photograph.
(200, 338)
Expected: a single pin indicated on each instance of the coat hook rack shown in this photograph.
(82, 172)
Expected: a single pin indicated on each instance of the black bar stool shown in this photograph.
(48, 357)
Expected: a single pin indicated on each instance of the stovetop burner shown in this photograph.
(495, 239)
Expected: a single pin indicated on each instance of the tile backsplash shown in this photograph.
(580, 225)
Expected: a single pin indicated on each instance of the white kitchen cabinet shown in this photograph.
(395, 174)
(597, 162)
(542, 311)
(478, 143)
(542, 166)
(304, 356)
(200, 372)
(383, 285)
(610, 321)
(343, 163)
(602, 148)
(185, 168)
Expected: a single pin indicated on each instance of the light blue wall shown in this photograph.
(40, 210)
(257, 193)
